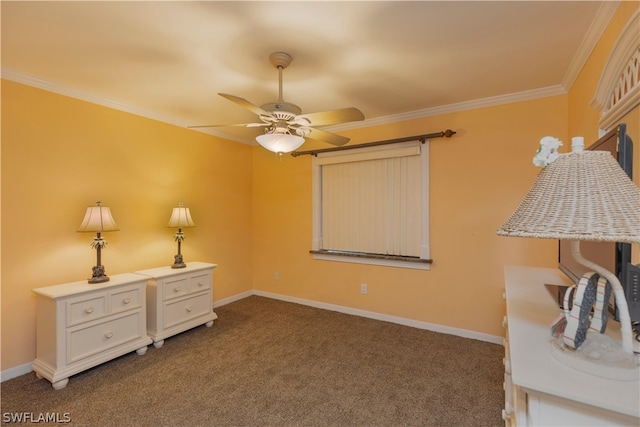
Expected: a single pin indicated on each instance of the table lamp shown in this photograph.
(181, 218)
(98, 218)
(584, 195)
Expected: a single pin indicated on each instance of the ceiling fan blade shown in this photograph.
(246, 125)
(332, 117)
(246, 104)
(324, 136)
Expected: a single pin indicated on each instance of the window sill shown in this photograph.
(373, 259)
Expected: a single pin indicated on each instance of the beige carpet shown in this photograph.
(271, 363)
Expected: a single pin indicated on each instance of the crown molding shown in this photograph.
(598, 26)
(454, 108)
(26, 79)
(18, 77)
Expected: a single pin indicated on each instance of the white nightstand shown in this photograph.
(178, 299)
(80, 325)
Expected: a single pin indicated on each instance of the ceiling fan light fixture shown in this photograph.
(280, 142)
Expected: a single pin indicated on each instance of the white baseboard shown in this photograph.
(232, 298)
(14, 372)
(386, 318)
(26, 368)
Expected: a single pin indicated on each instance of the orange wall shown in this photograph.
(60, 155)
(477, 179)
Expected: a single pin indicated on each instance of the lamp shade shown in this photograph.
(280, 142)
(181, 217)
(579, 196)
(98, 218)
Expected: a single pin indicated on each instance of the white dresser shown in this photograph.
(178, 299)
(539, 389)
(80, 325)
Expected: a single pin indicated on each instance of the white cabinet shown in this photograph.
(178, 299)
(539, 389)
(80, 325)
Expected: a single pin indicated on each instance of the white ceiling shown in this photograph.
(392, 60)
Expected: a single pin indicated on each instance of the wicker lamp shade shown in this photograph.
(580, 196)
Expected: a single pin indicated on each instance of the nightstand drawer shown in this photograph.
(175, 287)
(85, 342)
(187, 309)
(200, 282)
(127, 299)
(86, 308)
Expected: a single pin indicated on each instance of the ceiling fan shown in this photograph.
(285, 125)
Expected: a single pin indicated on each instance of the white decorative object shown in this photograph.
(618, 91)
(178, 299)
(539, 391)
(80, 325)
(577, 144)
(547, 152)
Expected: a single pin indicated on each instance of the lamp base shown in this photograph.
(178, 262)
(599, 355)
(99, 275)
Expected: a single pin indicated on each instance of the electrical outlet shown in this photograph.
(364, 288)
(276, 275)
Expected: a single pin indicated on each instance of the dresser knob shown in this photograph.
(200, 284)
(108, 335)
(126, 300)
(88, 310)
(189, 309)
(176, 289)
(504, 322)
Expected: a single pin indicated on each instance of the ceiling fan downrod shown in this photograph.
(280, 60)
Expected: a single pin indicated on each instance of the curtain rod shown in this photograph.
(447, 134)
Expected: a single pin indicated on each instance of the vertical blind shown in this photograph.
(371, 202)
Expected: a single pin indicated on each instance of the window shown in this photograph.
(371, 205)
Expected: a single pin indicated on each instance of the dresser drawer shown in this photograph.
(187, 309)
(175, 287)
(126, 299)
(87, 341)
(200, 282)
(85, 308)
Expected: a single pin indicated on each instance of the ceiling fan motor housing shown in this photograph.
(282, 107)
